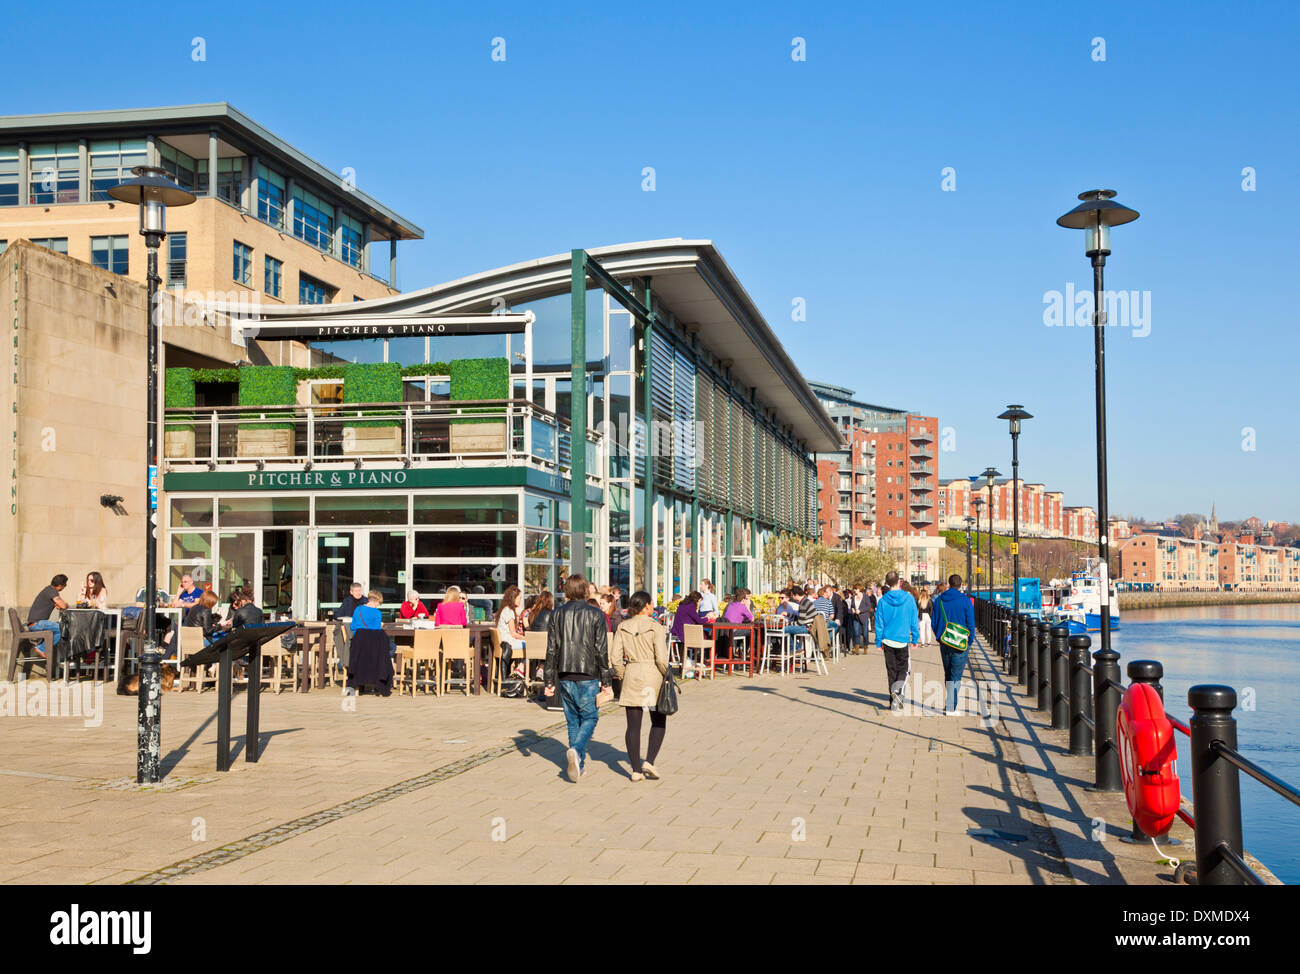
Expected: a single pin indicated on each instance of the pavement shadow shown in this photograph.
(263, 739)
(1040, 866)
(176, 754)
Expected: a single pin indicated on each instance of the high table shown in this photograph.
(309, 632)
(175, 613)
(713, 629)
(477, 632)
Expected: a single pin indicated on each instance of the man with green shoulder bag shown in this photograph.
(956, 621)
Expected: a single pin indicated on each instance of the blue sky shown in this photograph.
(822, 180)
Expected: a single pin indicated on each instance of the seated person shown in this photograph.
(540, 615)
(368, 616)
(451, 610)
(736, 611)
(687, 614)
(47, 600)
(243, 611)
(367, 662)
(202, 617)
(413, 607)
(355, 597)
(187, 597)
(94, 594)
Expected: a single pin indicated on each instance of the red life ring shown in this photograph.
(1147, 756)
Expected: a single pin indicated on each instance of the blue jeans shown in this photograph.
(954, 664)
(579, 699)
(47, 625)
(856, 635)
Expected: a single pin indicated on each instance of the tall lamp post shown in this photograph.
(969, 521)
(989, 476)
(152, 190)
(1095, 215)
(979, 509)
(1014, 415)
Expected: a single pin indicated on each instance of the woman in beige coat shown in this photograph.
(639, 657)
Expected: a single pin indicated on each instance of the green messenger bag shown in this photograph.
(954, 637)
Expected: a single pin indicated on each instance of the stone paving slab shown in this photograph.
(774, 779)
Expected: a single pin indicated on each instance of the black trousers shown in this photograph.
(898, 664)
(658, 727)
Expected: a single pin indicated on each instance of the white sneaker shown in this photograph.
(571, 755)
(952, 713)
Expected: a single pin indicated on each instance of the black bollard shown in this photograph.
(149, 733)
(1028, 650)
(1106, 694)
(1148, 671)
(1060, 671)
(1216, 788)
(1080, 696)
(1044, 667)
(1009, 648)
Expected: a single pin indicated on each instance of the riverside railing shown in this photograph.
(1081, 694)
(466, 431)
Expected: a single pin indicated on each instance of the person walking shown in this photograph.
(953, 610)
(577, 662)
(923, 604)
(897, 631)
(639, 657)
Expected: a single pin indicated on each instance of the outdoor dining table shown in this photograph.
(713, 629)
(175, 613)
(477, 631)
(310, 632)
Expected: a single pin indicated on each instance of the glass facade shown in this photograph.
(110, 253)
(243, 264)
(270, 197)
(312, 291)
(111, 162)
(53, 173)
(271, 276)
(313, 220)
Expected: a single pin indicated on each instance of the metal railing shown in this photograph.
(1082, 694)
(465, 432)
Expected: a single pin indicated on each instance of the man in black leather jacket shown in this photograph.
(577, 661)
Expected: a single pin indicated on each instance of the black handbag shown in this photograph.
(667, 702)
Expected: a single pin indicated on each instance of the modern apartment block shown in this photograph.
(1167, 562)
(1043, 513)
(271, 225)
(891, 464)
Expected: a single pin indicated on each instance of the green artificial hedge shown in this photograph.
(378, 382)
(178, 393)
(266, 385)
(479, 378)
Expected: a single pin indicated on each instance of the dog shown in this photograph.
(131, 686)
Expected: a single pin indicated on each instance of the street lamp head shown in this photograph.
(1014, 415)
(1095, 216)
(153, 190)
(979, 504)
(989, 476)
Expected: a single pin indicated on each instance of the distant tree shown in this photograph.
(1187, 522)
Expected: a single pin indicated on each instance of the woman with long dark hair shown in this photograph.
(639, 657)
(93, 592)
(509, 627)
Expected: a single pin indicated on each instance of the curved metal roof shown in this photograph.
(689, 277)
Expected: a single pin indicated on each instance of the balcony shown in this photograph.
(921, 436)
(327, 438)
(922, 470)
(920, 502)
(921, 518)
(921, 451)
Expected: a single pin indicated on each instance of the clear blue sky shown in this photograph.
(821, 180)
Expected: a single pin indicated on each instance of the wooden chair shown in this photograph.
(694, 638)
(496, 681)
(427, 649)
(336, 636)
(22, 637)
(534, 652)
(191, 641)
(456, 647)
(275, 655)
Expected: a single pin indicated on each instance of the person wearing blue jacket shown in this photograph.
(953, 605)
(898, 628)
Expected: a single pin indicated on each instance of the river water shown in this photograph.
(1256, 650)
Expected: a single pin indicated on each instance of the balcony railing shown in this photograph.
(467, 432)
(922, 469)
(921, 518)
(921, 451)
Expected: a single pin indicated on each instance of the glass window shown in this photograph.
(230, 180)
(8, 175)
(312, 291)
(539, 512)
(182, 167)
(236, 567)
(352, 241)
(478, 581)
(109, 253)
(271, 276)
(313, 220)
(177, 250)
(53, 173)
(243, 264)
(270, 197)
(57, 244)
(188, 547)
(407, 351)
(191, 512)
(263, 512)
(476, 545)
(363, 509)
(111, 162)
(466, 509)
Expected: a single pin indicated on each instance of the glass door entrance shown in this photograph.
(375, 557)
(335, 569)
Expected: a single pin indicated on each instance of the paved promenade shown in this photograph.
(766, 780)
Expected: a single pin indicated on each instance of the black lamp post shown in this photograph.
(1095, 216)
(979, 508)
(989, 476)
(152, 190)
(969, 521)
(1014, 415)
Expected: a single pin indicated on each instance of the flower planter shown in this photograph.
(178, 444)
(478, 437)
(264, 442)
